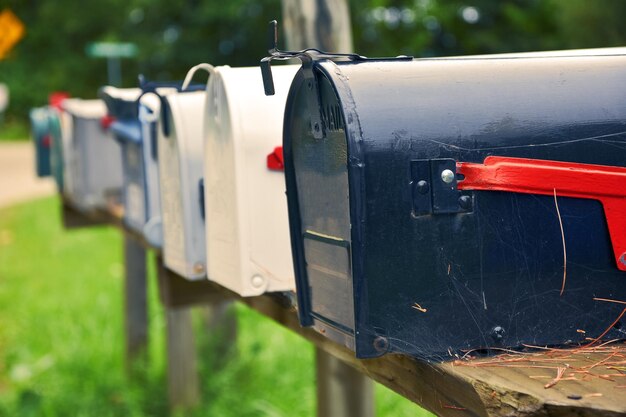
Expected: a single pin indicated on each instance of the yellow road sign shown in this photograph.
(11, 31)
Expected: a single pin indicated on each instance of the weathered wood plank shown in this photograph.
(176, 291)
(515, 384)
(72, 219)
(450, 389)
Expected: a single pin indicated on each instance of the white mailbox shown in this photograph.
(93, 162)
(180, 174)
(247, 230)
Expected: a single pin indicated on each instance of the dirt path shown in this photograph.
(18, 181)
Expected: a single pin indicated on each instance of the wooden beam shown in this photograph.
(449, 389)
(176, 291)
(73, 219)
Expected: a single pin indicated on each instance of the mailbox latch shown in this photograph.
(565, 179)
(434, 188)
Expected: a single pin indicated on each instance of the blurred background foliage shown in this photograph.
(173, 35)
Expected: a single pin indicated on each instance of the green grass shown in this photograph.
(62, 347)
(13, 129)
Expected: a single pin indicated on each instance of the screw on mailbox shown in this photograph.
(198, 268)
(257, 281)
(447, 176)
(497, 333)
(422, 187)
(381, 344)
(465, 202)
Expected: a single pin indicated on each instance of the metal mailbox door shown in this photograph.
(123, 122)
(443, 205)
(180, 173)
(94, 165)
(247, 232)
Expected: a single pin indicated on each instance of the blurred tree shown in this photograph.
(453, 27)
(591, 24)
(173, 35)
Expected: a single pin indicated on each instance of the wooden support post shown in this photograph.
(325, 24)
(342, 391)
(178, 295)
(183, 384)
(135, 300)
(220, 323)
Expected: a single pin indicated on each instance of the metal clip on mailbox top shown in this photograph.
(308, 57)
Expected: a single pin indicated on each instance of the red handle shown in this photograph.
(566, 179)
(275, 161)
(106, 121)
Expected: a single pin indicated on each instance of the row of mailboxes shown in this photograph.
(223, 212)
(433, 206)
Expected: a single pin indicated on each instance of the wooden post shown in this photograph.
(325, 24)
(183, 384)
(135, 301)
(342, 391)
(178, 295)
(322, 24)
(220, 323)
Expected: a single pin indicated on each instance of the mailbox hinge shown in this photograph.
(563, 179)
(308, 57)
(434, 188)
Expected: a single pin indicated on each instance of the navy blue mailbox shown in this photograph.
(142, 207)
(41, 138)
(442, 205)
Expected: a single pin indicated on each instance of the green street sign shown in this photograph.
(111, 50)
